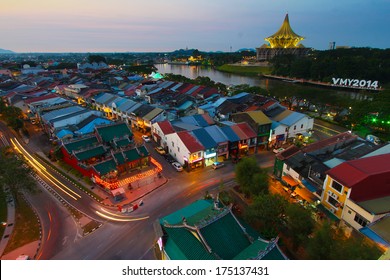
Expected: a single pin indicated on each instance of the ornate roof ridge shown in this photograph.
(285, 36)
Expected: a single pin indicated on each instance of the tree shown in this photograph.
(267, 212)
(96, 58)
(299, 223)
(14, 173)
(245, 170)
(260, 183)
(329, 243)
(320, 246)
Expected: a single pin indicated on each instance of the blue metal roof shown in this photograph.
(374, 236)
(185, 105)
(291, 119)
(63, 132)
(231, 135)
(204, 138)
(201, 121)
(216, 133)
(90, 127)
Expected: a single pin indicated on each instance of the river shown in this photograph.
(278, 88)
(217, 76)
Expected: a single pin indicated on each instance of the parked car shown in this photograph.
(160, 150)
(278, 150)
(177, 166)
(217, 165)
(146, 138)
(169, 158)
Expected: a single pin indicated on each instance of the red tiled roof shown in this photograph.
(345, 136)
(40, 98)
(247, 130)
(166, 127)
(368, 177)
(195, 93)
(208, 119)
(190, 142)
(239, 132)
(268, 104)
(252, 108)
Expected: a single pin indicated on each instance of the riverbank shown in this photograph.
(245, 70)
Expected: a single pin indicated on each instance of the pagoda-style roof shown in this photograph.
(285, 37)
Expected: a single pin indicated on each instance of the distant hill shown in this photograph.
(6, 51)
(244, 49)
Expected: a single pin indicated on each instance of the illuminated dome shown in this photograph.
(285, 37)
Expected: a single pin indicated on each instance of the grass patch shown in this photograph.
(91, 226)
(3, 210)
(26, 229)
(245, 70)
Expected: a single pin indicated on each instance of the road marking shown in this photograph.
(328, 128)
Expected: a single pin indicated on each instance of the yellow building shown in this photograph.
(358, 191)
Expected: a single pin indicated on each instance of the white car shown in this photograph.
(177, 166)
(146, 138)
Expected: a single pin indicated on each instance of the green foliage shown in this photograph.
(299, 223)
(96, 58)
(141, 69)
(329, 243)
(358, 63)
(267, 211)
(14, 173)
(12, 115)
(251, 178)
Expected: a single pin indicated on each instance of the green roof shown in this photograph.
(80, 144)
(119, 158)
(87, 154)
(105, 167)
(183, 245)
(131, 155)
(123, 142)
(143, 151)
(188, 211)
(116, 130)
(225, 237)
(252, 250)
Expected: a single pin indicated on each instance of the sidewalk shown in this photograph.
(9, 226)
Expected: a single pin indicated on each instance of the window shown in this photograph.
(287, 167)
(286, 129)
(360, 220)
(178, 148)
(273, 131)
(337, 186)
(173, 144)
(333, 201)
(301, 125)
(295, 127)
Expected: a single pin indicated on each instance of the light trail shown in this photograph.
(121, 220)
(42, 170)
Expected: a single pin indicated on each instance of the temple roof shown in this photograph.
(285, 37)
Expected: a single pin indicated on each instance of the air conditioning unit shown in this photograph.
(330, 193)
(331, 210)
(334, 196)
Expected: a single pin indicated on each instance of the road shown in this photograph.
(323, 130)
(116, 240)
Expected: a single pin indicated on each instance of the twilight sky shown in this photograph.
(208, 25)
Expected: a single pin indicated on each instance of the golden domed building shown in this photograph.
(284, 41)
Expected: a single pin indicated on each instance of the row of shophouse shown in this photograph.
(350, 177)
